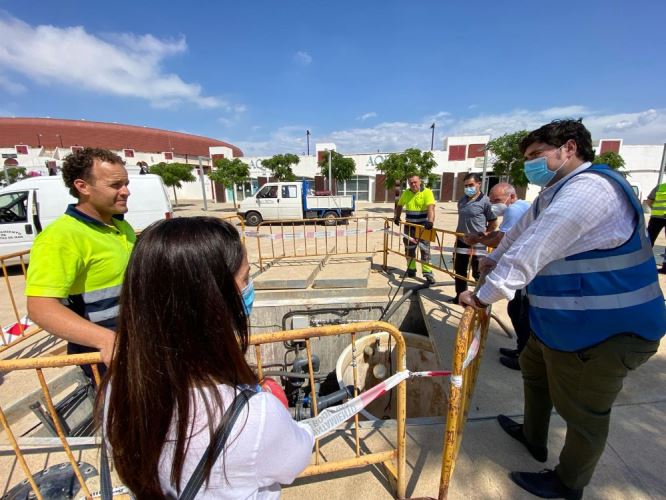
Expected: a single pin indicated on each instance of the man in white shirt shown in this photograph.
(596, 308)
(505, 204)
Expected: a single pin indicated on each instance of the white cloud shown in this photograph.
(365, 116)
(640, 127)
(125, 65)
(303, 58)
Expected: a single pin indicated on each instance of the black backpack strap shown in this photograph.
(217, 444)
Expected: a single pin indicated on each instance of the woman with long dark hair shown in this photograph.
(179, 364)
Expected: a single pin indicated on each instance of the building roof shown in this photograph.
(53, 132)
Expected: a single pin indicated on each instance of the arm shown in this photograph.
(566, 227)
(55, 318)
(285, 448)
(491, 226)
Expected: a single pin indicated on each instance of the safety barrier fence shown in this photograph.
(17, 328)
(442, 245)
(314, 237)
(393, 459)
(470, 341)
(469, 347)
(351, 235)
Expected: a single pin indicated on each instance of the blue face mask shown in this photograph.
(470, 191)
(248, 297)
(537, 171)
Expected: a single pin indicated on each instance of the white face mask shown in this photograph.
(498, 208)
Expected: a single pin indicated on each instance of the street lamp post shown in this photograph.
(432, 137)
(330, 177)
(39, 140)
(307, 138)
(60, 137)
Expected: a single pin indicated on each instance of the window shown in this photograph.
(168, 156)
(129, 153)
(76, 148)
(267, 192)
(289, 191)
(609, 147)
(476, 151)
(13, 207)
(457, 153)
(436, 187)
(21, 150)
(359, 186)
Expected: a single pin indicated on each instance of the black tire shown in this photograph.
(330, 218)
(253, 218)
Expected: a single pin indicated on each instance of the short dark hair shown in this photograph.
(558, 132)
(472, 175)
(79, 164)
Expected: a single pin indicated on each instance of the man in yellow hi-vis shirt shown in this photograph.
(419, 205)
(656, 200)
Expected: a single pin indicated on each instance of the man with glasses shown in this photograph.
(596, 308)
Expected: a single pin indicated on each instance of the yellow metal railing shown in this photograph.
(473, 328)
(443, 244)
(393, 459)
(24, 333)
(314, 237)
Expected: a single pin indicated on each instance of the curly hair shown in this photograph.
(79, 164)
(558, 132)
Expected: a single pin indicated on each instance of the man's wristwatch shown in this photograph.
(478, 302)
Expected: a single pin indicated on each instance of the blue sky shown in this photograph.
(367, 75)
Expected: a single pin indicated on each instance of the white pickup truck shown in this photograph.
(291, 201)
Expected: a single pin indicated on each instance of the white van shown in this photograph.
(29, 205)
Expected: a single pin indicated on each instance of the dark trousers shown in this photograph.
(460, 263)
(655, 225)
(519, 313)
(582, 386)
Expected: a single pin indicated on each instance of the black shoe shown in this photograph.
(511, 363)
(411, 273)
(545, 484)
(429, 278)
(515, 430)
(454, 300)
(509, 353)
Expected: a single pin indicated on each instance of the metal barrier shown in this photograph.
(23, 332)
(473, 328)
(302, 238)
(392, 459)
(394, 243)
(241, 223)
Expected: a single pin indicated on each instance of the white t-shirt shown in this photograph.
(265, 448)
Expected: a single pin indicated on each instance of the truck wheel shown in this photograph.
(330, 218)
(253, 218)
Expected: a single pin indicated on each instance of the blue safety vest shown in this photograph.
(584, 299)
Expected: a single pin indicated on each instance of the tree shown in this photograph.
(280, 166)
(508, 161)
(398, 167)
(613, 160)
(14, 174)
(229, 172)
(342, 168)
(173, 174)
